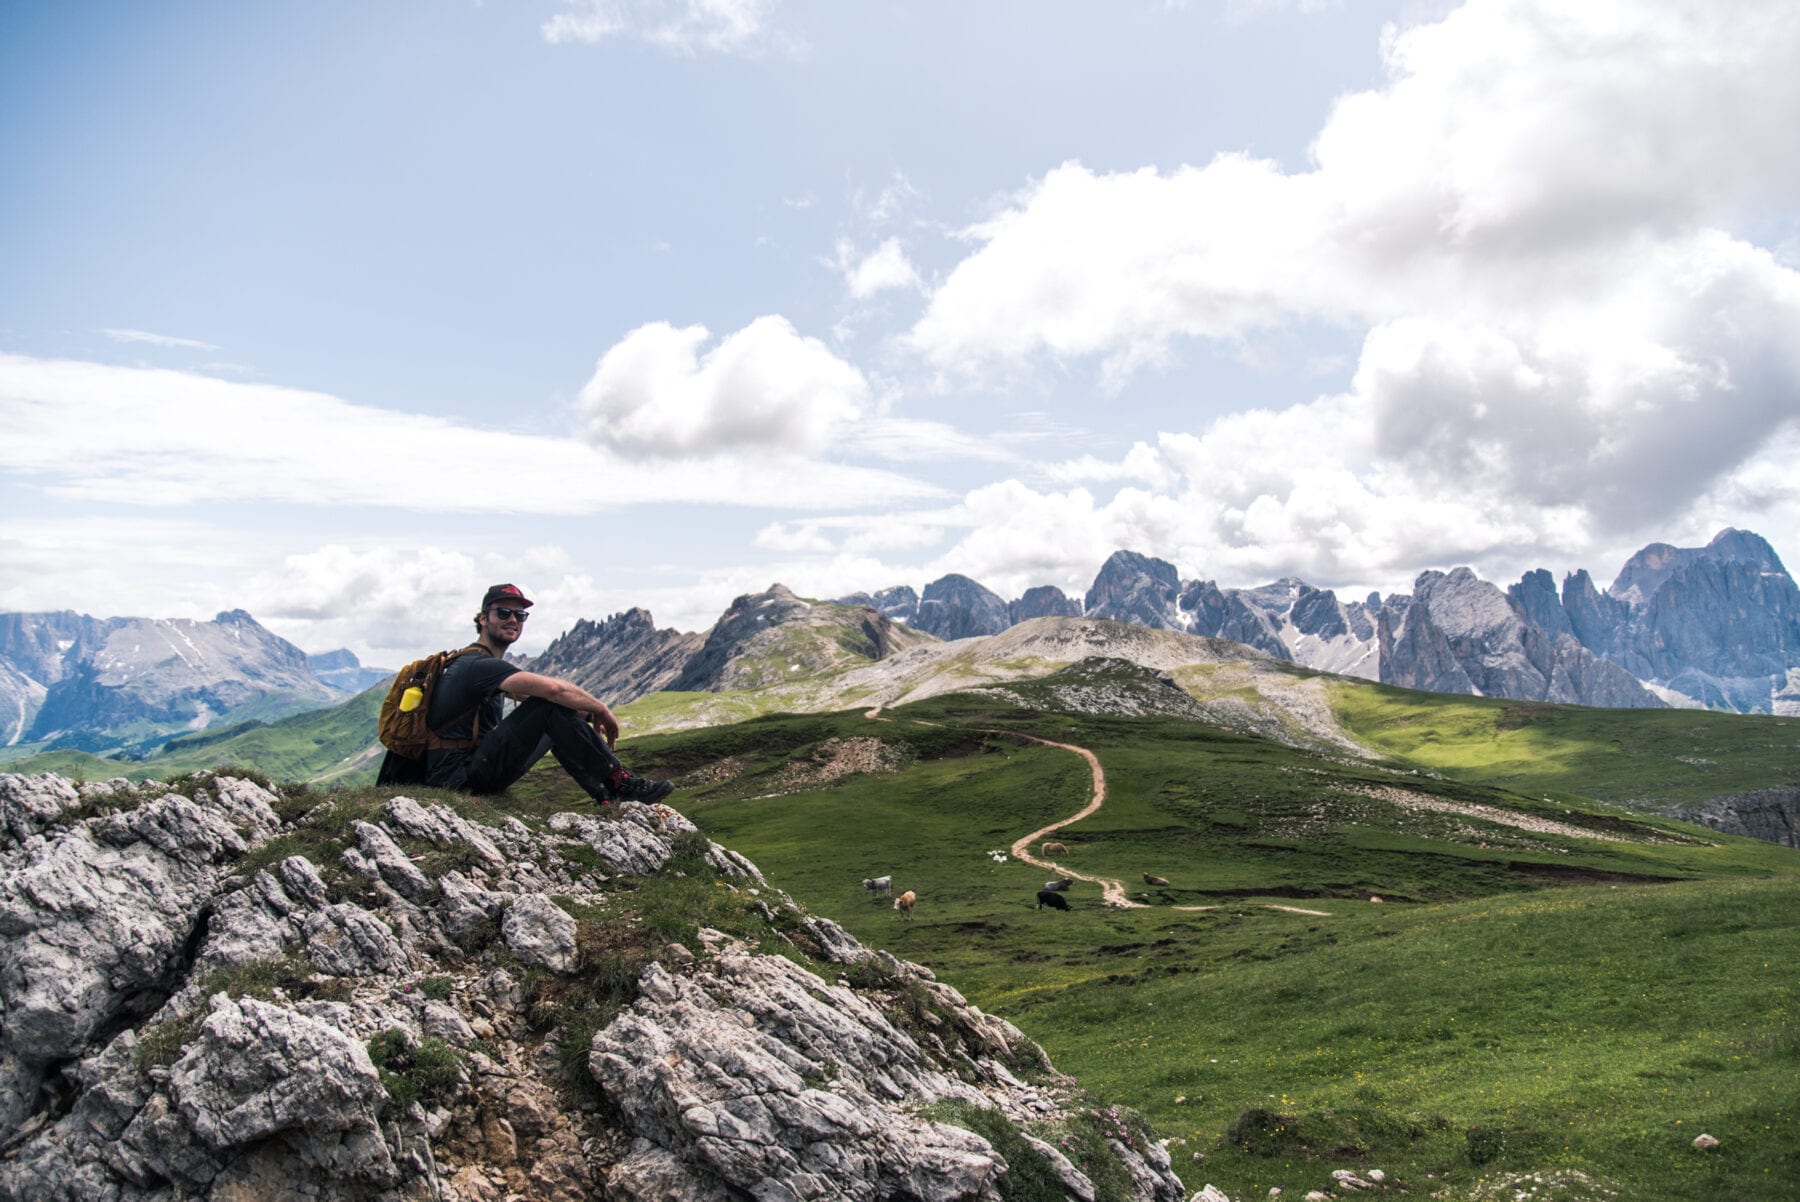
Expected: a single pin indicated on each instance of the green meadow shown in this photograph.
(1656, 757)
(1576, 1002)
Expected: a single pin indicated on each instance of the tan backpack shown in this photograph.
(402, 728)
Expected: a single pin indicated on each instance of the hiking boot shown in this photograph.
(642, 788)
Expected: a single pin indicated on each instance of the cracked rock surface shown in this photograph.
(387, 1000)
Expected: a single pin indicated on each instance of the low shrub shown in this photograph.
(427, 1073)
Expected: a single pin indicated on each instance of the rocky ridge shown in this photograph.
(221, 992)
(623, 657)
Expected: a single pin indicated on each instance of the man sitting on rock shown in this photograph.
(552, 715)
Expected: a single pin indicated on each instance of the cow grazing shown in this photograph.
(1053, 899)
(1153, 880)
(879, 884)
(1059, 886)
(904, 904)
(1055, 849)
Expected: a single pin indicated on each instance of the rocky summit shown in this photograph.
(221, 991)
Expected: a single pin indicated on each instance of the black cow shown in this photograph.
(1053, 899)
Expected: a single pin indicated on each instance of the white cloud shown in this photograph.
(116, 565)
(1530, 219)
(1142, 464)
(681, 26)
(93, 432)
(883, 268)
(860, 534)
(162, 340)
(764, 389)
(791, 537)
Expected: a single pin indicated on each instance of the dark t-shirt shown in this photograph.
(471, 680)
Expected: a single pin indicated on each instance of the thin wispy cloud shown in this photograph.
(679, 26)
(149, 437)
(163, 340)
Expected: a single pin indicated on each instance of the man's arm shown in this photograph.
(521, 685)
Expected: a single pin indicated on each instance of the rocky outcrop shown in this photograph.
(95, 915)
(1460, 634)
(621, 659)
(955, 607)
(1771, 814)
(395, 1003)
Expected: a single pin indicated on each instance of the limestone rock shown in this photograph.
(31, 804)
(94, 918)
(260, 1070)
(728, 1073)
(540, 932)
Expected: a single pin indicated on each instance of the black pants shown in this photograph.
(535, 726)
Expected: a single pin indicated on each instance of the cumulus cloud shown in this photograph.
(1532, 221)
(86, 431)
(764, 388)
(681, 26)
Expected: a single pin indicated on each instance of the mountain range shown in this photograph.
(1714, 627)
(130, 684)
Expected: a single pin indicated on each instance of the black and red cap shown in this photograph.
(505, 594)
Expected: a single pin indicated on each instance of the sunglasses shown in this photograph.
(504, 614)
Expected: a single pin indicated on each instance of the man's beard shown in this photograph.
(496, 634)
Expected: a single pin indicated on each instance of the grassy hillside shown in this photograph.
(319, 745)
(1584, 997)
(1645, 757)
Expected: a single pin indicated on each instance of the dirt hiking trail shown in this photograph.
(1112, 890)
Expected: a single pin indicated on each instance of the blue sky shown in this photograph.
(339, 313)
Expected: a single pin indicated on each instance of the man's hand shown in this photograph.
(606, 726)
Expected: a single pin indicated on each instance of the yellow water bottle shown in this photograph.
(409, 700)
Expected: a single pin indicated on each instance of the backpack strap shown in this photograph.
(438, 743)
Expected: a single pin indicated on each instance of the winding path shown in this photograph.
(1112, 890)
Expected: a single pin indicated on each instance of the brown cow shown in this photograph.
(904, 904)
(1055, 849)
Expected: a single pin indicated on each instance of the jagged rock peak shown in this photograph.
(1461, 634)
(1044, 601)
(619, 659)
(1131, 587)
(900, 602)
(194, 1013)
(956, 607)
(1646, 571)
(774, 635)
